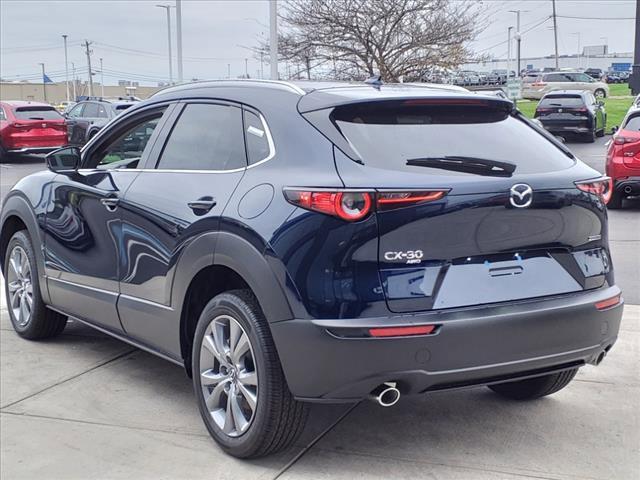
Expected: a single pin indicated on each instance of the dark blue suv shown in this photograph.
(320, 243)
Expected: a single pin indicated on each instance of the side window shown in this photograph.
(76, 111)
(90, 110)
(259, 146)
(102, 112)
(128, 146)
(205, 137)
(3, 116)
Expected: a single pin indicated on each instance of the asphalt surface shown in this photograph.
(84, 405)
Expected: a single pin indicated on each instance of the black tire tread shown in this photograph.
(286, 416)
(44, 323)
(537, 387)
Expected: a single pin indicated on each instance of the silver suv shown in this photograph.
(537, 87)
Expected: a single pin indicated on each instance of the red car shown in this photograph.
(30, 127)
(623, 159)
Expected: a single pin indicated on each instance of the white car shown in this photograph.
(537, 87)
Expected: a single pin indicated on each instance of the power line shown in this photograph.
(595, 18)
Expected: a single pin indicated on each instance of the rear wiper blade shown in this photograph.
(457, 163)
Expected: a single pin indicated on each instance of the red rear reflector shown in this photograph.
(401, 331)
(601, 187)
(609, 302)
(390, 200)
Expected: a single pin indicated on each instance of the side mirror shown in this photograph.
(64, 159)
(614, 129)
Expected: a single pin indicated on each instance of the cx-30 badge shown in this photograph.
(521, 195)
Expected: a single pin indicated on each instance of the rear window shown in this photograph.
(633, 123)
(530, 79)
(562, 101)
(36, 113)
(388, 134)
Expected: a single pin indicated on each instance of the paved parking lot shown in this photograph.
(87, 406)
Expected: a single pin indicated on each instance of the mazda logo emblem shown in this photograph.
(521, 195)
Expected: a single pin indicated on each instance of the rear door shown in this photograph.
(474, 206)
(180, 194)
(73, 117)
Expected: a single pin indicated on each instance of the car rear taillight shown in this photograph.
(539, 84)
(601, 187)
(392, 200)
(348, 205)
(622, 140)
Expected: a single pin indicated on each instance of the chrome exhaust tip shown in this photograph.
(385, 395)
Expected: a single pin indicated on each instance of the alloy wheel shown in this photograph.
(228, 375)
(20, 286)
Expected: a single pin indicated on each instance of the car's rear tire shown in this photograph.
(29, 315)
(615, 202)
(590, 137)
(4, 155)
(537, 387)
(245, 402)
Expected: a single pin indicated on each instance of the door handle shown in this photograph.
(110, 203)
(202, 205)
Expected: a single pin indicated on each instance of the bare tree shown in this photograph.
(395, 38)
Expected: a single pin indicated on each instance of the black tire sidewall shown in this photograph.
(234, 306)
(22, 239)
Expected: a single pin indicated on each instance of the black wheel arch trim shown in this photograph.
(16, 205)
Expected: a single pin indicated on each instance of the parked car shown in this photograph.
(595, 73)
(30, 127)
(613, 77)
(572, 111)
(550, 82)
(623, 158)
(276, 241)
(86, 118)
(502, 75)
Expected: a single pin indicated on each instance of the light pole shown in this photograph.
(518, 35)
(66, 66)
(73, 68)
(577, 34)
(273, 38)
(179, 39)
(44, 85)
(101, 79)
(168, 8)
(509, 53)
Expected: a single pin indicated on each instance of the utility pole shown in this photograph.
(73, 67)
(555, 32)
(101, 79)
(229, 71)
(273, 38)
(179, 39)
(66, 66)
(634, 80)
(88, 53)
(579, 53)
(168, 8)
(44, 85)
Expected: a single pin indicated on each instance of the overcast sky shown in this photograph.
(131, 36)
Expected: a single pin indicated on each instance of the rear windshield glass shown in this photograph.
(562, 101)
(123, 106)
(389, 134)
(633, 123)
(37, 113)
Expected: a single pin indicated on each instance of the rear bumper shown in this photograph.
(35, 150)
(323, 361)
(628, 186)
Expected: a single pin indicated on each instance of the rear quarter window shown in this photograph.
(388, 134)
(36, 113)
(633, 123)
